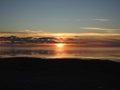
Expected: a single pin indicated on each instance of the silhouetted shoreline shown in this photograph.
(58, 74)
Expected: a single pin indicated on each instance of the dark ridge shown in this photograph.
(58, 74)
(55, 59)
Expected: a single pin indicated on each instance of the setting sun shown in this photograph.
(60, 45)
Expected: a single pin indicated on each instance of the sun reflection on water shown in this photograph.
(60, 48)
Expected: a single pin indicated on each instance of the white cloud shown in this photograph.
(101, 19)
(31, 31)
(98, 28)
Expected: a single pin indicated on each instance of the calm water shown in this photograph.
(61, 52)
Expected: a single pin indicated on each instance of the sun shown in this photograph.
(60, 45)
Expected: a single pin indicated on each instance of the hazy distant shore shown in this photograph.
(58, 74)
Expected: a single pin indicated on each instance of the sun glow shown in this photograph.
(60, 45)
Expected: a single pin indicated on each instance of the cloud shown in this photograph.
(101, 19)
(43, 33)
(32, 31)
(98, 28)
(26, 33)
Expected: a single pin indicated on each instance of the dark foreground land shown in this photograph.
(58, 74)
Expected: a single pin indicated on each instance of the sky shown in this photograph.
(60, 16)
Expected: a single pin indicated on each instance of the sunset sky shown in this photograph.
(60, 16)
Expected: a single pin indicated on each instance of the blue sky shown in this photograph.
(60, 16)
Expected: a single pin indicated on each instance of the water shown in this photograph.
(61, 52)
